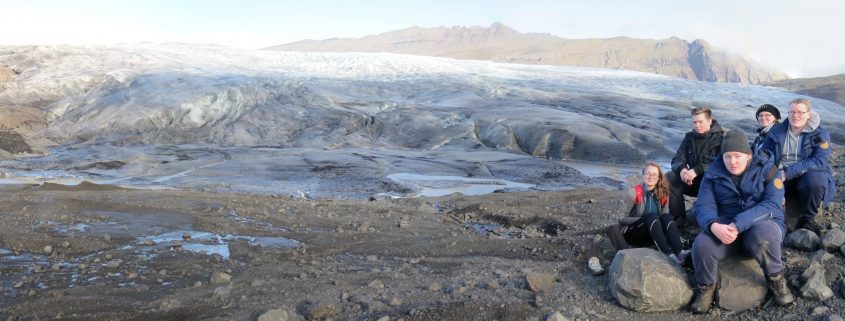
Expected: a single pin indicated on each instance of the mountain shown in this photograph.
(831, 88)
(674, 57)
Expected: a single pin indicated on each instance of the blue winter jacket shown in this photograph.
(814, 154)
(757, 199)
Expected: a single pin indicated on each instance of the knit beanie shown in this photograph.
(735, 141)
(769, 108)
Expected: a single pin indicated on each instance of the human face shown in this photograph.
(799, 114)
(765, 119)
(736, 162)
(701, 124)
(650, 176)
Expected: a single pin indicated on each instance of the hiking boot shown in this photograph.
(777, 283)
(810, 224)
(595, 266)
(703, 298)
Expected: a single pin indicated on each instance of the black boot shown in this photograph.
(810, 224)
(777, 283)
(703, 298)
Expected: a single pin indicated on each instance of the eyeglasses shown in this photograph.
(798, 113)
(650, 175)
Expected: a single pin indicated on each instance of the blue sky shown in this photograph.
(801, 38)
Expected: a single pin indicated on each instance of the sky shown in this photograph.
(801, 38)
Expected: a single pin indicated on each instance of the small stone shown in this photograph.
(56, 267)
(18, 285)
(556, 316)
(833, 317)
(113, 264)
(372, 258)
(591, 201)
(220, 278)
(48, 249)
(65, 244)
(832, 240)
(108, 256)
(376, 284)
(820, 310)
(275, 315)
(187, 236)
(149, 242)
(322, 310)
(107, 237)
(395, 302)
(384, 318)
(97, 260)
(802, 239)
(539, 282)
(595, 266)
(132, 275)
(434, 287)
(821, 256)
(197, 284)
(222, 291)
(418, 260)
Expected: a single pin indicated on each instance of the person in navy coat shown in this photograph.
(739, 211)
(801, 148)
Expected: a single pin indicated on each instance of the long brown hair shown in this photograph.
(661, 189)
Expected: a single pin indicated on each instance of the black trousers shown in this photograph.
(649, 229)
(677, 190)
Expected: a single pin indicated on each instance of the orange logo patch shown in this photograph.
(825, 145)
(778, 183)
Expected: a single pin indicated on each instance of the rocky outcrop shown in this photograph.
(673, 57)
(831, 88)
(742, 285)
(814, 284)
(646, 280)
(802, 239)
(832, 240)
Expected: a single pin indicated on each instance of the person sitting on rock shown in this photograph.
(648, 221)
(698, 149)
(739, 210)
(801, 148)
(767, 116)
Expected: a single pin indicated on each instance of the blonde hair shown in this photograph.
(804, 101)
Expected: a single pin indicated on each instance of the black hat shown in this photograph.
(735, 141)
(769, 108)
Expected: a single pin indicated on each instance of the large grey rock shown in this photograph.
(803, 239)
(814, 283)
(833, 240)
(742, 284)
(645, 280)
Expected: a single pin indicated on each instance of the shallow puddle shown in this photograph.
(211, 243)
(433, 186)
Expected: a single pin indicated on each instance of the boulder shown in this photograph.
(814, 285)
(833, 240)
(742, 284)
(646, 280)
(803, 239)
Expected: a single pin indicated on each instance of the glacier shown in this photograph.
(338, 124)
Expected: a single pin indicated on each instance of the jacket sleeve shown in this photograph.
(711, 152)
(818, 159)
(765, 209)
(679, 162)
(706, 210)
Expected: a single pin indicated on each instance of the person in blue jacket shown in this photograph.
(738, 208)
(801, 148)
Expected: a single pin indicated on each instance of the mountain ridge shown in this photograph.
(696, 60)
(830, 87)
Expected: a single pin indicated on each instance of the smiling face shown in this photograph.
(701, 124)
(736, 162)
(765, 119)
(651, 175)
(799, 114)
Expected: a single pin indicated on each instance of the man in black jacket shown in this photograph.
(698, 149)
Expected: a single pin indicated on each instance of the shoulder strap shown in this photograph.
(639, 196)
(664, 200)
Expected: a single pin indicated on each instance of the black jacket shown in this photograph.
(698, 150)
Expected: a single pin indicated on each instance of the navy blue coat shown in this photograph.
(755, 201)
(814, 154)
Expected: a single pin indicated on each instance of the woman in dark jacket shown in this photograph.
(648, 221)
(767, 116)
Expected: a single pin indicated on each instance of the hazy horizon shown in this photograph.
(798, 38)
